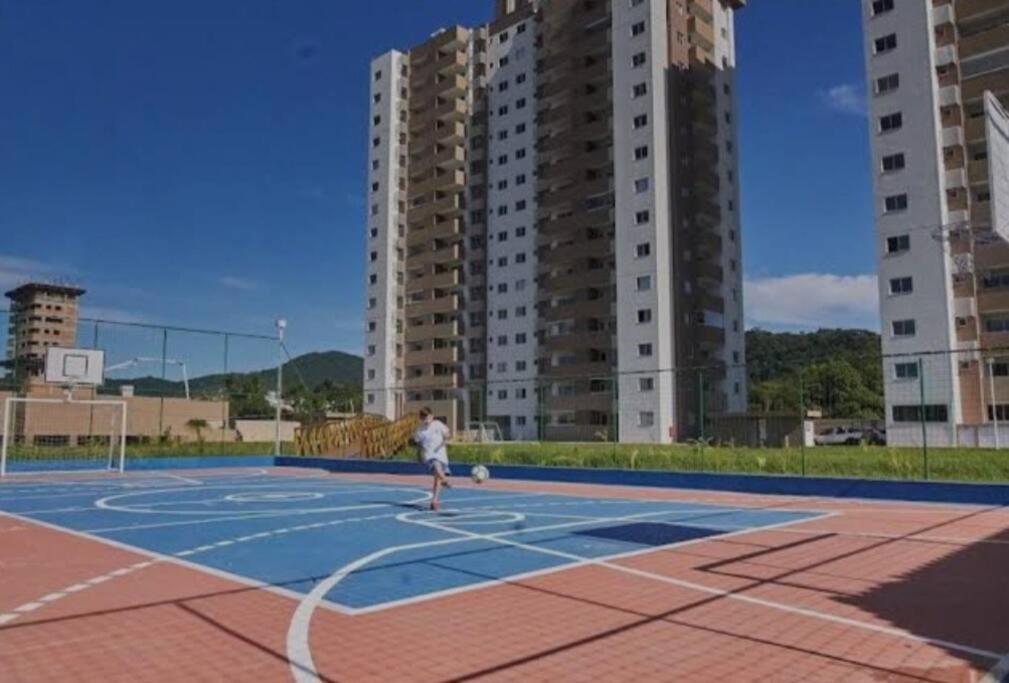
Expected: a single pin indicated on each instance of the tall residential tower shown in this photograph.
(943, 272)
(553, 222)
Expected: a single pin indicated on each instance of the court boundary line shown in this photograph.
(299, 653)
(728, 594)
(153, 554)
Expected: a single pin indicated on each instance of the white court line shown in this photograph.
(999, 673)
(195, 482)
(729, 595)
(298, 649)
(161, 557)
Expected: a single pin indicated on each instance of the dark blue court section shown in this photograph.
(294, 531)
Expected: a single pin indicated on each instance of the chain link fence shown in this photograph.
(188, 391)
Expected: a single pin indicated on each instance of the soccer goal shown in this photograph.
(62, 435)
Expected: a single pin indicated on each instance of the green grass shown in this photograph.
(873, 462)
(152, 450)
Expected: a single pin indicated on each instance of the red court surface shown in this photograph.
(871, 591)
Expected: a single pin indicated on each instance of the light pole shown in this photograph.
(994, 407)
(281, 326)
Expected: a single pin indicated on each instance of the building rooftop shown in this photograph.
(44, 287)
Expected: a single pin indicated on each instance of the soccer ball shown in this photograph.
(479, 474)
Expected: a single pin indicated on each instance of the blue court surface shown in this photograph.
(293, 531)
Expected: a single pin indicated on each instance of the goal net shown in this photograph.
(51, 434)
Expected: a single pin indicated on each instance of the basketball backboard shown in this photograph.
(75, 366)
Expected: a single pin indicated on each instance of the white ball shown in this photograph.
(479, 474)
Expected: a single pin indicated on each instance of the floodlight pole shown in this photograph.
(991, 392)
(281, 326)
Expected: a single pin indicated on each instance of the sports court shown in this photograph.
(278, 574)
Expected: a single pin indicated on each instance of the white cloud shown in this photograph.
(240, 283)
(846, 98)
(812, 300)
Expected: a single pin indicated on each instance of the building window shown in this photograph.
(893, 162)
(933, 413)
(886, 44)
(520, 338)
(901, 285)
(996, 324)
(640, 121)
(371, 349)
(905, 371)
(520, 205)
(646, 419)
(373, 279)
(519, 129)
(640, 90)
(641, 185)
(520, 232)
(646, 384)
(644, 316)
(371, 374)
(897, 202)
(645, 350)
(638, 28)
(881, 7)
(520, 103)
(521, 78)
(501, 111)
(520, 179)
(898, 244)
(641, 153)
(639, 59)
(503, 159)
(891, 122)
(644, 283)
(520, 153)
(371, 399)
(903, 328)
(520, 366)
(887, 84)
(642, 217)
(643, 250)
(502, 340)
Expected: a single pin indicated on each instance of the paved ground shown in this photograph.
(287, 574)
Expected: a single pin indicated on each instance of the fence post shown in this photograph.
(164, 376)
(281, 326)
(802, 424)
(921, 415)
(700, 412)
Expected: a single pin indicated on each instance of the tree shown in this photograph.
(198, 425)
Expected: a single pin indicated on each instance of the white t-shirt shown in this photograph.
(432, 437)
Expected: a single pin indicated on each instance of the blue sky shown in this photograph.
(200, 164)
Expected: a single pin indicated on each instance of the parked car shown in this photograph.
(840, 436)
(877, 437)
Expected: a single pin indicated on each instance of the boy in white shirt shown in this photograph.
(431, 437)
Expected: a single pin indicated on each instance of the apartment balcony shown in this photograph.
(980, 214)
(432, 381)
(956, 178)
(449, 355)
(554, 143)
(985, 41)
(551, 286)
(994, 340)
(996, 81)
(945, 55)
(449, 205)
(974, 129)
(971, 9)
(992, 256)
(708, 273)
(949, 95)
(584, 369)
(952, 136)
(579, 249)
(594, 131)
(708, 336)
(601, 402)
(443, 305)
(575, 192)
(454, 38)
(707, 243)
(453, 180)
(706, 182)
(977, 171)
(968, 332)
(454, 62)
(558, 170)
(701, 8)
(451, 133)
(449, 255)
(702, 301)
(705, 150)
(450, 157)
(447, 280)
(943, 14)
(559, 226)
(559, 116)
(578, 308)
(701, 32)
(578, 340)
(989, 300)
(705, 212)
(420, 333)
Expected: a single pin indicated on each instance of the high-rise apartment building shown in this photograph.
(943, 276)
(553, 222)
(41, 315)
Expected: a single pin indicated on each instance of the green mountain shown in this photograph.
(308, 371)
(841, 372)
